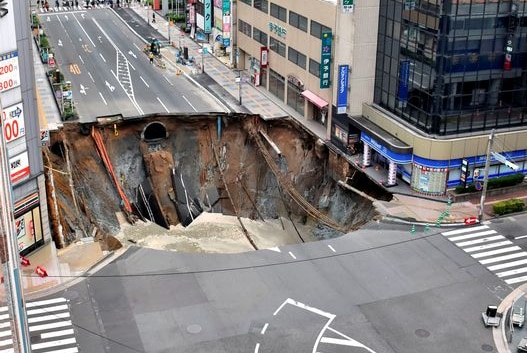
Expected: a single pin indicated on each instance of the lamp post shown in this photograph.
(485, 176)
(239, 81)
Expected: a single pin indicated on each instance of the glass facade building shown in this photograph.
(453, 66)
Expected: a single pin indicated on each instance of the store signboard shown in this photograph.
(7, 26)
(342, 89)
(347, 6)
(325, 61)
(207, 28)
(19, 167)
(404, 80)
(9, 71)
(13, 121)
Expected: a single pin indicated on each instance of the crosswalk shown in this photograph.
(498, 254)
(72, 8)
(49, 324)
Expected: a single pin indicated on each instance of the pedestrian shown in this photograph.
(151, 56)
(153, 17)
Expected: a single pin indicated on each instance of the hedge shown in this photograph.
(508, 206)
(496, 183)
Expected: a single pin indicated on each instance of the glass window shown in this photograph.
(294, 99)
(277, 84)
(277, 46)
(245, 28)
(248, 2)
(296, 57)
(317, 29)
(262, 5)
(314, 67)
(298, 21)
(279, 12)
(260, 36)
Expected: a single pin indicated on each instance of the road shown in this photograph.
(380, 289)
(104, 60)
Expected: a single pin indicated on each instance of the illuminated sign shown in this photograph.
(19, 167)
(13, 120)
(342, 90)
(207, 27)
(9, 71)
(325, 62)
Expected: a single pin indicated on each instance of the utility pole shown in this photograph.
(9, 254)
(485, 176)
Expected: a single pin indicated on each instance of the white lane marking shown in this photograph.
(305, 307)
(521, 237)
(507, 265)
(274, 248)
(511, 272)
(472, 235)
(516, 280)
(47, 310)
(10, 350)
(48, 317)
(170, 83)
(347, 342)
(503, 258)
(53, 343)
(264, 328)
(3, 308)
(488, 246)
(48, 326)
(496, 252)
(5, 324)
(142, 79)
(5, 333)
(65, 350)
(4, 316)
(132, 66)
(89, 74)
(6, 342)
(80, 58)
(102, 57)
(104, 100)
(137, 47)
(159, 100)
(464, 230)
(292, 255)
(46, 302)
(257, 348)
(91, 41)
(57, 333)
(479, 241)
(185, 98)
(329, 246)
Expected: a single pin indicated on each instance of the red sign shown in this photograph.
(264, 57)
(51, 62)
(471, 220)
(41, 272)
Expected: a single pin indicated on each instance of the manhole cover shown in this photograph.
(422, 333)
(487, 348)
(71, 294)
(194, 328)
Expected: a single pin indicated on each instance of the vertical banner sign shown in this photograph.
(208, 17)
(13, 118)
(9, 71)
(464, 172)
(325, 61)
(226, 28)
(264, 57)
(7, 24)
(19, 167)
(342, 90)
(404, 78)
(347, 6)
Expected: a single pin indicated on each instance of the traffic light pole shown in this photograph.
(485, 177)
(9, 254)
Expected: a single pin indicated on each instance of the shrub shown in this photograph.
(501, 182)
(44, 43)
(508, 206)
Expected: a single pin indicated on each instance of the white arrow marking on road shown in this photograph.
(82, 15)
(99, 38)
(83, 89)
(66, 17)
(60, 43)
(48, 19)
(110, 87)
(132, 54)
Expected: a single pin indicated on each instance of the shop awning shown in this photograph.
(313, 98)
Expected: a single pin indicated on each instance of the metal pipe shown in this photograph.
(485, 177)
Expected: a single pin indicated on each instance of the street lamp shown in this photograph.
(239, 81)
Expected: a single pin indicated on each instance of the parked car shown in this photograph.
(518, 316)
(522, 346)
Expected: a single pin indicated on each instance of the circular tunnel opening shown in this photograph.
(154, 132)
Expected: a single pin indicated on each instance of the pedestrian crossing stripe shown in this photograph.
(499, 255)
(49, 324)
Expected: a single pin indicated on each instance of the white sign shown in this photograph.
(44, 137)
(19, 167)
(13, 120)
(7, 26)
(504, 160)
(9, 71)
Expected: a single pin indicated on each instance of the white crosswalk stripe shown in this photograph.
(492, 250)
(54, 9)
(49, 325)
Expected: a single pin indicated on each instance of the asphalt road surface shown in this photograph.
(380, 289)
(110, 74)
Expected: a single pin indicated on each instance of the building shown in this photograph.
(20, 127)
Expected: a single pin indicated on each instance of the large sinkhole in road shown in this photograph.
(209, 183)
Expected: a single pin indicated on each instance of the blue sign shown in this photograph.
(398, 158)
(226, 42)
(404, 79)
(208, 17)
(342, 89)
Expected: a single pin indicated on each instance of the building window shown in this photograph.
(262, 5)
(245, 28)
(279, 12)
(260, 36)
(298, 21)
(277, 46)
(276, 84)
(296, 57)
(317, 29)
(314, 67)
(294, 99)
(248, 2)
